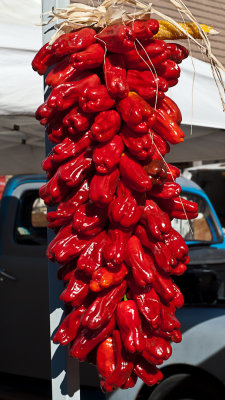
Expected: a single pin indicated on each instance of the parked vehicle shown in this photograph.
(195, 370)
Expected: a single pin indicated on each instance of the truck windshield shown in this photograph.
(203, 229)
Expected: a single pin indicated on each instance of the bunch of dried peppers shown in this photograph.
(112, 125)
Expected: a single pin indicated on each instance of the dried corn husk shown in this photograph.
(168, 31)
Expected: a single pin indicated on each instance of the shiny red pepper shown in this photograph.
(44, 58)
(157, 350)
(91, 57)
(66, 245)
(129, 323)
(170, 71)
(137, 113)
(172, 172)
(144, 30)
(146, 84)
(116, 38)
(69, 327)
(103, 187)
(107, 155)
(123, 210)
(161, 147)
(65, 210)
(105, 126)
(62, 72)
(157, 221)
(76, 290)
(89, 220)
(179, 207)
(176, 52)
(74, 171)
(169, 322)
(124, 364)
(66, 271)
(95, 99)
(176, 244)
(74, 41)
(105, 359)
(116, 76)
(104, 278)
(115, 247)
(44, 113)
(154, 53)
(140, 146)
(166, 127)
(76, 121)
(131, 381)
(133, 174)
(103, 307)
(87, 339)
(170, 107)
(148, 302)
(167, 190)
(51, 192)
(66, 95)
(55, 130)
(92, 257)
(140, 266)
(147, 372)
(157, 171)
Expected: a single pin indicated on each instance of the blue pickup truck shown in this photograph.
(196, 368)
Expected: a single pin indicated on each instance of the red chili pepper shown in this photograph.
(157, 350)
(172, 172)
(116, 76)
(170, 71)
(65, 210)
(114, 250)
(157, 221)
(66, 245)
(76, 290)
(51, 192)
(178, 300)
(177, 245)
(105, 358)
(133, 174)
(148, 302)
(169, 322)
(66, 272)
(87, 339)
(66, 95)
(123, 210)
(137, 113)
(147, 372)
(144, 30)
(154, 53)
(161, 147)
(179, 269)
(69, 327)
(179, 207)
(170, 107)
(140, 146)
(92, 257)
(140, 266)
(89, 220)
(62, 72)
(167, 190)
(157, 171)
(129, 323)
(76, 121)
(103, 307)
(104, 278)
(106, 156)
(95, 99)
(176, 52)
(117, 38)
(105, 126)
(74, 171)
(65, 150)
(91, 57)
(131, 381)
(44, 58)
(44, 113)
(146, 84)
(74, 41)
(124, 364)
(166, 127)
(55, 130)
(103, 187)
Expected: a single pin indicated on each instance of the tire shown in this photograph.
(186, 387)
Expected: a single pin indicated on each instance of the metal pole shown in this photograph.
(65, 370)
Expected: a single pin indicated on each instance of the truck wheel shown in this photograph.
(186, 387)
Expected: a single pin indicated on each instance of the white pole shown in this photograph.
(65, 370)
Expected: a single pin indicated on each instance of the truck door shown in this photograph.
(24, 334)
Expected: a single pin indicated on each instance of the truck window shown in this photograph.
(202, 229)
(31, 222)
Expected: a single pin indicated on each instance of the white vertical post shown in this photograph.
(65, 370)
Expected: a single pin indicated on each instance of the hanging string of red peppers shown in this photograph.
(112, 125)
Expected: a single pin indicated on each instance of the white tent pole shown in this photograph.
(65, 370)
